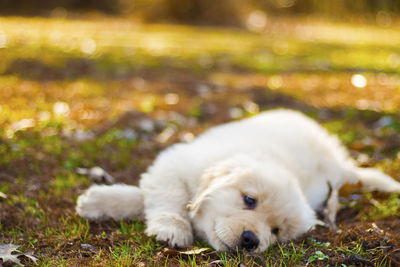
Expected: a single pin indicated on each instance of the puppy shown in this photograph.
(241, 185)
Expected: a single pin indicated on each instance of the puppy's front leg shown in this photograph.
(165, 210)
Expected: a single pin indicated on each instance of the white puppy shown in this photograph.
(243, 184)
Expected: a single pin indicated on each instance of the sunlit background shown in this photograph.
(83, 60)
(110, 83)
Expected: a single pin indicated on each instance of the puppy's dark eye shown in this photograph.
(275, 231)
(250, 202)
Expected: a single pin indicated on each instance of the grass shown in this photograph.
(111, 93)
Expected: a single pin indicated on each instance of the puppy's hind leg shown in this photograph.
(330, 208)
(117, 201)
(374, 179)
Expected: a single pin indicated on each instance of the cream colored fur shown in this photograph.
(281, 158)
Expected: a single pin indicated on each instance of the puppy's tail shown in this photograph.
(373, 179)
(117, 201)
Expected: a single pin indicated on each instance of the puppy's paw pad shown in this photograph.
(172, 229)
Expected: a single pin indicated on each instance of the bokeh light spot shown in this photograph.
(256, 21)
(88, 46)
(61, 109)
(275, 82)
(171, 99)
(3, 39)
(359, 80)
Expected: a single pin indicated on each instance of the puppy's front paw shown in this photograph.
(171, 228)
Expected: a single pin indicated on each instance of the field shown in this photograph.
(111, 93)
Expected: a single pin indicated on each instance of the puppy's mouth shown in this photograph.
(224, 245)
(232, 248)
(226, 241)
(235, 248)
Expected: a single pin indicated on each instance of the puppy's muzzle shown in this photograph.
(248, 241)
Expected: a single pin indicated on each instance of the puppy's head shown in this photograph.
(247, 204)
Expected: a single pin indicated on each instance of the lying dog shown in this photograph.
(243, 184)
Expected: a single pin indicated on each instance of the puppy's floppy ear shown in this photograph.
(208, 184)
(194, 207)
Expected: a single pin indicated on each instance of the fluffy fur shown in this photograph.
(285, 161)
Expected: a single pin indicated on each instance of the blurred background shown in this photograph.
(81, 69)
(224, 12)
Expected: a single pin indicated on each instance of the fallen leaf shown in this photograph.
(170, 252)
(196, 251)
(215, 263)
(30, 256)
(375, 229)
(97, 174)
(2, 195)
(6, 251)
(174, 252)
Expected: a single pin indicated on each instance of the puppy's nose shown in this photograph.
(249, 241)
